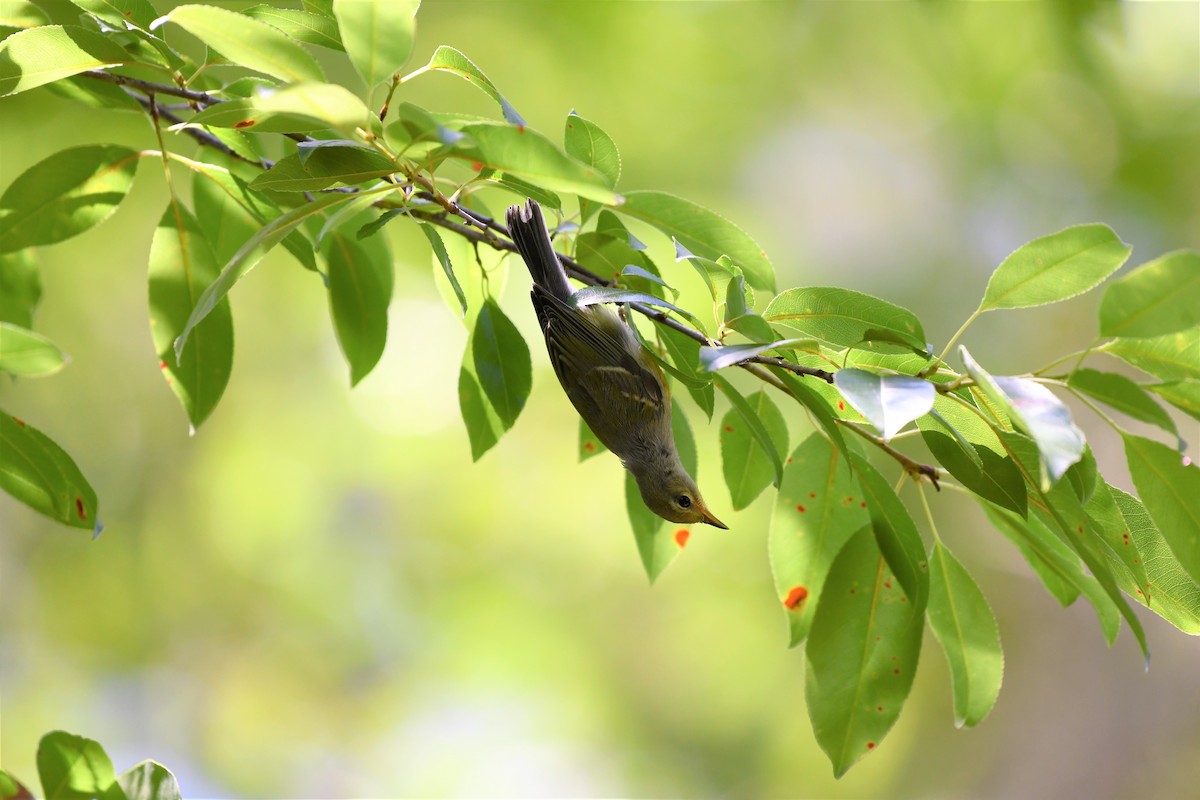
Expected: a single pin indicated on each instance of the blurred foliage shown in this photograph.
(320, 594)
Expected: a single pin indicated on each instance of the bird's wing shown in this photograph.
(605, 378)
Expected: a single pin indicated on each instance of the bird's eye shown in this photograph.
(684, 501)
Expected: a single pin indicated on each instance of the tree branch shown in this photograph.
(913, 468)
(146, 87)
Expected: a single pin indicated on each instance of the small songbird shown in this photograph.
(617, 389)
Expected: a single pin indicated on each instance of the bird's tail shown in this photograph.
(528, 230)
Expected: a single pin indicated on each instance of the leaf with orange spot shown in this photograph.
(748, 470)
(40, 474)
(655, 541)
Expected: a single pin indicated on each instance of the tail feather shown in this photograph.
(529, 234)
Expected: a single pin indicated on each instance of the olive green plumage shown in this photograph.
(617, 389)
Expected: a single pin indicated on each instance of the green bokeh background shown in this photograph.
(320, 595)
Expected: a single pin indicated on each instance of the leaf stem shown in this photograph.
(958, 334)
(913, 468)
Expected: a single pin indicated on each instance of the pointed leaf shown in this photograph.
(817, 510)
(748, 469)
(447, 59)
(889, 401)
(149, 780)
(247, 42)
(985, 468)
(862, 654)
(1170, 489)
(443, 260)
(1105, 520)
(303, 26)
(963, 623)
(722, 356)
(658, 543)
(13, 789)
(895, 532)
(704, 232)
(844, 317)
(41, 475)
(1184, 395)
(64, 195)
(502, 362)
(324, 167)
(1055, 267)
(589, 445)
(757, 429)
(685, 354)
(29, 354)
(20, 288)
(378, 35)
(585, 141)
(1172, 594)
(117, 12)
(1122, 394)
(299, 108)
(816, 404)
(360, 291)
(75, 768)
(1173, 356)
(1159, 297)
(49, 53)
(591, 295)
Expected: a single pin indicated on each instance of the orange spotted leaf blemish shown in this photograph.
(896, 671)
(841, 406)
(887, 585)
(589, 446)
(246, 123)
(20, 422)
(477, 165)
(801, 508)
(79, 509)
(795, 598)
(863, 504)
(870, 745)
(681, 537)
(812, 494)
(729, 429)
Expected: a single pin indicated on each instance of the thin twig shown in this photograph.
(913, 468)
(146, 87)
(202, 136)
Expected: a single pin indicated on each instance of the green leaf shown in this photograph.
(755, 426)
(74, 768)
(609, 256)
(591, 295)
(589, 445)
(247, 42)
(1122, 394)
(302, 108)
(1184, 395)
(149, 780)
(502, 362)
(685, 354)
(530, 155)
(64, 195)
(181, 267)
(49, 53)
(704, 232)
(322, 7)
(443, 259)
(970, 450)
(963, 623)
(378, 35)
(17, 15)
(1159, 297)
(13, 789)
(250, 253)
(20, 288)
(748, 468)
(658, 545)
(817, 509)
(889, 401)
(324, 167)
(585, 141)
(1170, 490)
(1105, 521)
(28, 354)
(117, 12)
(41, 475)
(303, 26)
(447, 59)
(360, 290)
(1055, 267)
(895, 532)
(816, 404)
(844, 317)
(862, 654)
(1172, 356)
(1056, 564)
(1034, 409)
(1171, 594)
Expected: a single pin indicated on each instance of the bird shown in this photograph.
(614, 385)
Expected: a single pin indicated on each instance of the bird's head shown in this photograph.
(672, 495)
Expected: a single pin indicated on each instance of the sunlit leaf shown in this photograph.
(149, 780)
(360, 290)
(1159, 297)
(247, 42)
(28, 354)
(1171, 491)
(704, 232)
(1172, 356)
(41, 475)
(862, 654)
(502, 362)
(845, 317)
(1055, 267)
(815, 403)
(585, 141)
(748, 469)
(1034, 409)
(1122, 394)
(447, 59)
(589, 445)
(303, 26)
(301, 108)
(443, 260)
(975, 456)
(48, 53)
(758, 431)
(117, 12)
(64, 195)
(13, 789)
(713, 358)
(889, 401)
(895, 532)
(324, 167)
(962, 621)
(685, 355)
(817, 509)
(1184, 395)
(378, 35)
(1105, 521)
(20, 288)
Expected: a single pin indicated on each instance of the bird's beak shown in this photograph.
(709, 519)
